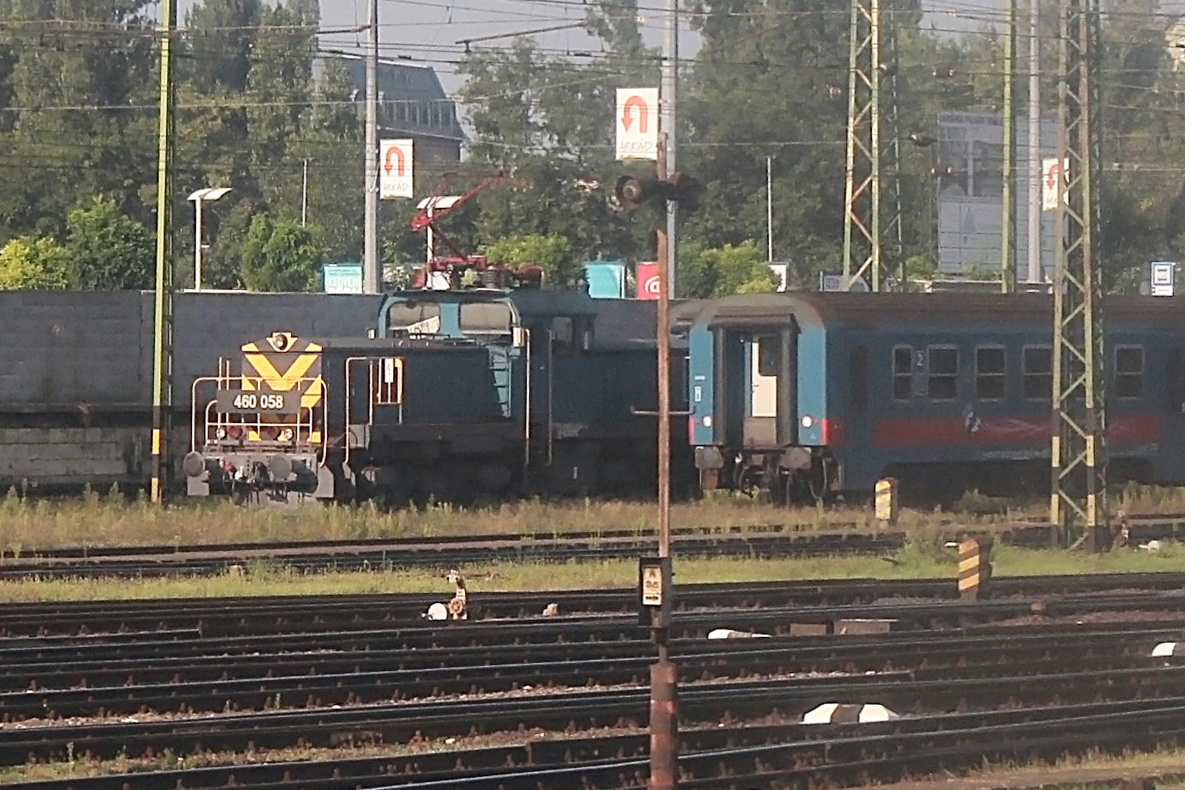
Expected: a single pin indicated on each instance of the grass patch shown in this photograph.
(918, 560)
(27, 526)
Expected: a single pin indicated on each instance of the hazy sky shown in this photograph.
(427, 30)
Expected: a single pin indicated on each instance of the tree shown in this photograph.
(709, 273)
(551, 122)
(553, 253)
(279, 255)
(28, 263)
(107, 250)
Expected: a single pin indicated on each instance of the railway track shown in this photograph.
(769, 541)
(714, 755)
(43, 691)
(258, 616)
(225, 687)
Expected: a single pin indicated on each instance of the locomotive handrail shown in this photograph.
(527, 402)
(370, 394)
(550, 395)
(214, 419)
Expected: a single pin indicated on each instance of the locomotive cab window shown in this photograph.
(942, 381)
(1037, 363)
(486, 318)
(414, 318)
(1129, 371)
(902, 373)
(990, 363)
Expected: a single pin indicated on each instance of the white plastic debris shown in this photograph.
(728, 633)
(1164, 650)
(1152, 545)
(437, 611)
(842, 713)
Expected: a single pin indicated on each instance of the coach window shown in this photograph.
(989, 372)
(902, 372)
(769, 355)
(1038, 372)
(1129, 371)
(942, 382)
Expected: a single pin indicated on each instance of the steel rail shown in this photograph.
(711, 757)
(374, 686)
(248, 614)
(886, 653)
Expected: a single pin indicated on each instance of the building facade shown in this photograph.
(412, 103)
(970, 187)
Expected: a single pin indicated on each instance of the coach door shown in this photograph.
(770, 415)
(1171, 447)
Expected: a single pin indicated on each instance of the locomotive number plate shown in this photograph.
(248, 402)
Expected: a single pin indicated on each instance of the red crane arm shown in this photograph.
(429, 214)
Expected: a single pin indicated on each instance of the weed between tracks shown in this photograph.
(99, 521)
(920, 559)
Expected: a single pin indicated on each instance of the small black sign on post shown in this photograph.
(654, 591)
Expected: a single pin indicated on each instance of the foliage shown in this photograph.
(107, 250)
(78, 122)
(705, 273)
(550, 122)
(553, 253)
(279, 255)
(28, 263)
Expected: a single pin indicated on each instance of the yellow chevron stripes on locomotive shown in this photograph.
(262, 363)
(307, 357)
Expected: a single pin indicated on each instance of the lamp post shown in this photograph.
(207, 195)
(434, 204)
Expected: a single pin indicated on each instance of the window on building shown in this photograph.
(1037, 366)
(989, 372)
(1129, 371)
(902, 373)
(942, 380)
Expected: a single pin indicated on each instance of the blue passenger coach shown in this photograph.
(805, 395)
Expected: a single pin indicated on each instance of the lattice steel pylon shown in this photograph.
(872, 190)
(1078, 451)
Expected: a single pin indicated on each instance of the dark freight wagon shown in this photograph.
(76, 372)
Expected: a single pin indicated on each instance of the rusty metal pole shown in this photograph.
(663, 689)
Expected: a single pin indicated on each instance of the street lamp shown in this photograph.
(207, 195)
(434, 204)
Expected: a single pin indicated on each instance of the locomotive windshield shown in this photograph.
(413, 318)
(486, 318)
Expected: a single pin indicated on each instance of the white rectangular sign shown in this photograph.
(637, 123)
(1053, 180)
(1164, 277)
(396, 169)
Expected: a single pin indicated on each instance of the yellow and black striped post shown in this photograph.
(975, 568)
(887, 507)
